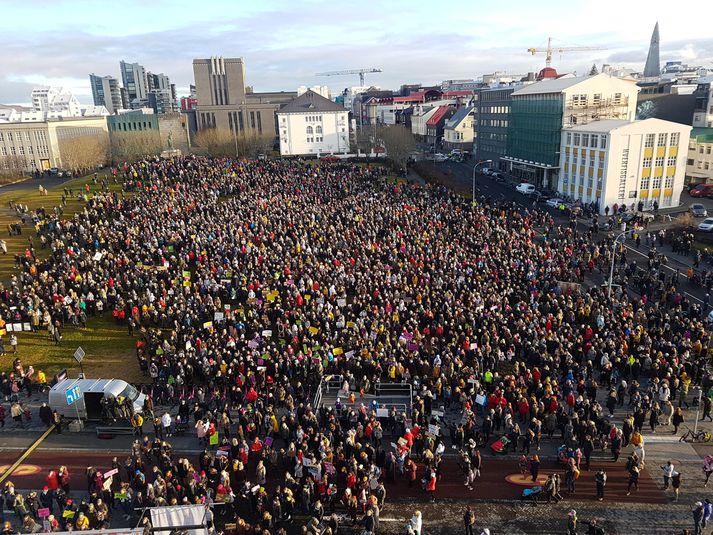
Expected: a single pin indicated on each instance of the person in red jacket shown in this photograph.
(431, 484)
(53, 481)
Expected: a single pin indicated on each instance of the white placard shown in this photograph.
(480, 399)
(434, 429)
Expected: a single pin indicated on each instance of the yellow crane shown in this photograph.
(549, 50)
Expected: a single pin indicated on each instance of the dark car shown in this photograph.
(698, 210)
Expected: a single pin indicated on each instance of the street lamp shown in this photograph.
(475, 167)
(613, 255)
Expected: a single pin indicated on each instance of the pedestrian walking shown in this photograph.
(572, 522)
(534, 467)
(600, 478)
(676, 484)
(668, 471)
(633, 480)
(707, 468)
(469, 520)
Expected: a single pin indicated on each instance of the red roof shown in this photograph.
(436, 117)
(457, 94)
(418, 96)
(547, 72)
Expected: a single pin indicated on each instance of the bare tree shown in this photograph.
(215, 141)
(129, 146)
(224, 143)
(398, 142)
(82, 153)
(12, 165)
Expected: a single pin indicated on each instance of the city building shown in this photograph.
(37, 145)
(136, 84)
(106, 92)
(459, 130)
(322, 90)
(703, 109)
(539, 112)
(164, 130)
(225, 103)
(313, 124)
(617, 161)
(420, 116)
(435, 125)
(652, 69)
(55, 102)
(161, 93)
(699, 164)
(493, 109)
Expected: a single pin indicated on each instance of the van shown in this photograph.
(93, 391)
(702, 190)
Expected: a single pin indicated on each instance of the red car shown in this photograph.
(330, 158)
(702, 190)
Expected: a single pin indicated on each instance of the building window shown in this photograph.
(662, 140)
(690, 161)
(4, 151)
(657, 182)
(659, 161)
(585, 140)
(647, 162)
(645, 182)
(569, 138)
(671, 161)
(674, 139)
(21, 150)
(603, 144)
(594, 141)
(259, 123)
(318, 130)
(597, 99)
(669, 182)
(576, 139)
(252, 120)
(310, 130)
(649, 140)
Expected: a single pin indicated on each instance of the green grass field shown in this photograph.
(109, 349)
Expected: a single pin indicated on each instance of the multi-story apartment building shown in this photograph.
(540, 111)
(703, 111)
(223, 101)
(620, 162)
(136, 84)
(106, 92)
(459, 130)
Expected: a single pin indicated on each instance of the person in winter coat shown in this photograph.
(431, 484)
(677, 419)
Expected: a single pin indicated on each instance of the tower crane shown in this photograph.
(360, 72)
(549, 50)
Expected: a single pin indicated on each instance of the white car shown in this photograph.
(554, 202)
(439, 157)
(487, 171)
(525, 188)
(707, 225)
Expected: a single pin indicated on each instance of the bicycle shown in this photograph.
(700, 436)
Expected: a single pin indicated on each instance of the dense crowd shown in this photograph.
(247, 283)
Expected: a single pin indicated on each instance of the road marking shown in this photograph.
(22, 470)
(24, 456)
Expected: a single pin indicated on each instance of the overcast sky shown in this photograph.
(285, 42)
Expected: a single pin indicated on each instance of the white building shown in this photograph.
(421, 114)
(622, 162)
(459, 130)
(322, 90)
(312, 124)
(699, 164)
(56, 102)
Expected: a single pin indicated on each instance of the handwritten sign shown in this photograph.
(44, 512)
(111, 473)
(434, 429)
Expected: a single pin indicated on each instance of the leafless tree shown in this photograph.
(82, 153)
(128, 146)
(12, 165)
(224, 143)
(398, 142)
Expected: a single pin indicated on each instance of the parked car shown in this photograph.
(438, 157)
(698, 210)
(707, 225)
(498, 176)
(554, 202)
(525, 188)
(487, 171)
(702, 190)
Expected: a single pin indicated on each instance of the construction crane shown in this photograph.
(360, 72)
(549, 50)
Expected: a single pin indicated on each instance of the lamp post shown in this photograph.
(475, 168)
(613, 257)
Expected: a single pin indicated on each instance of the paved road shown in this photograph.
(34, 183)
(500, 478)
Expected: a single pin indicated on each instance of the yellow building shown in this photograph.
(622, 162)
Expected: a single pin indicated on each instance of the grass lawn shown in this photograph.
(109, 349)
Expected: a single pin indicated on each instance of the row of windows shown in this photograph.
(660, 160)
(582, 161)
(131, 126)
(42, 150)
(661, 140)
(38, 135)
(315, 130)
(656, 182)
(580, 101)
(496, 123)
(702, 149)
(314, 118)
(317, 139)
(594, 141)
(495, 109)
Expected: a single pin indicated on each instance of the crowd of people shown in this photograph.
(246, 283)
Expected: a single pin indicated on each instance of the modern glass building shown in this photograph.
(492, 120)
